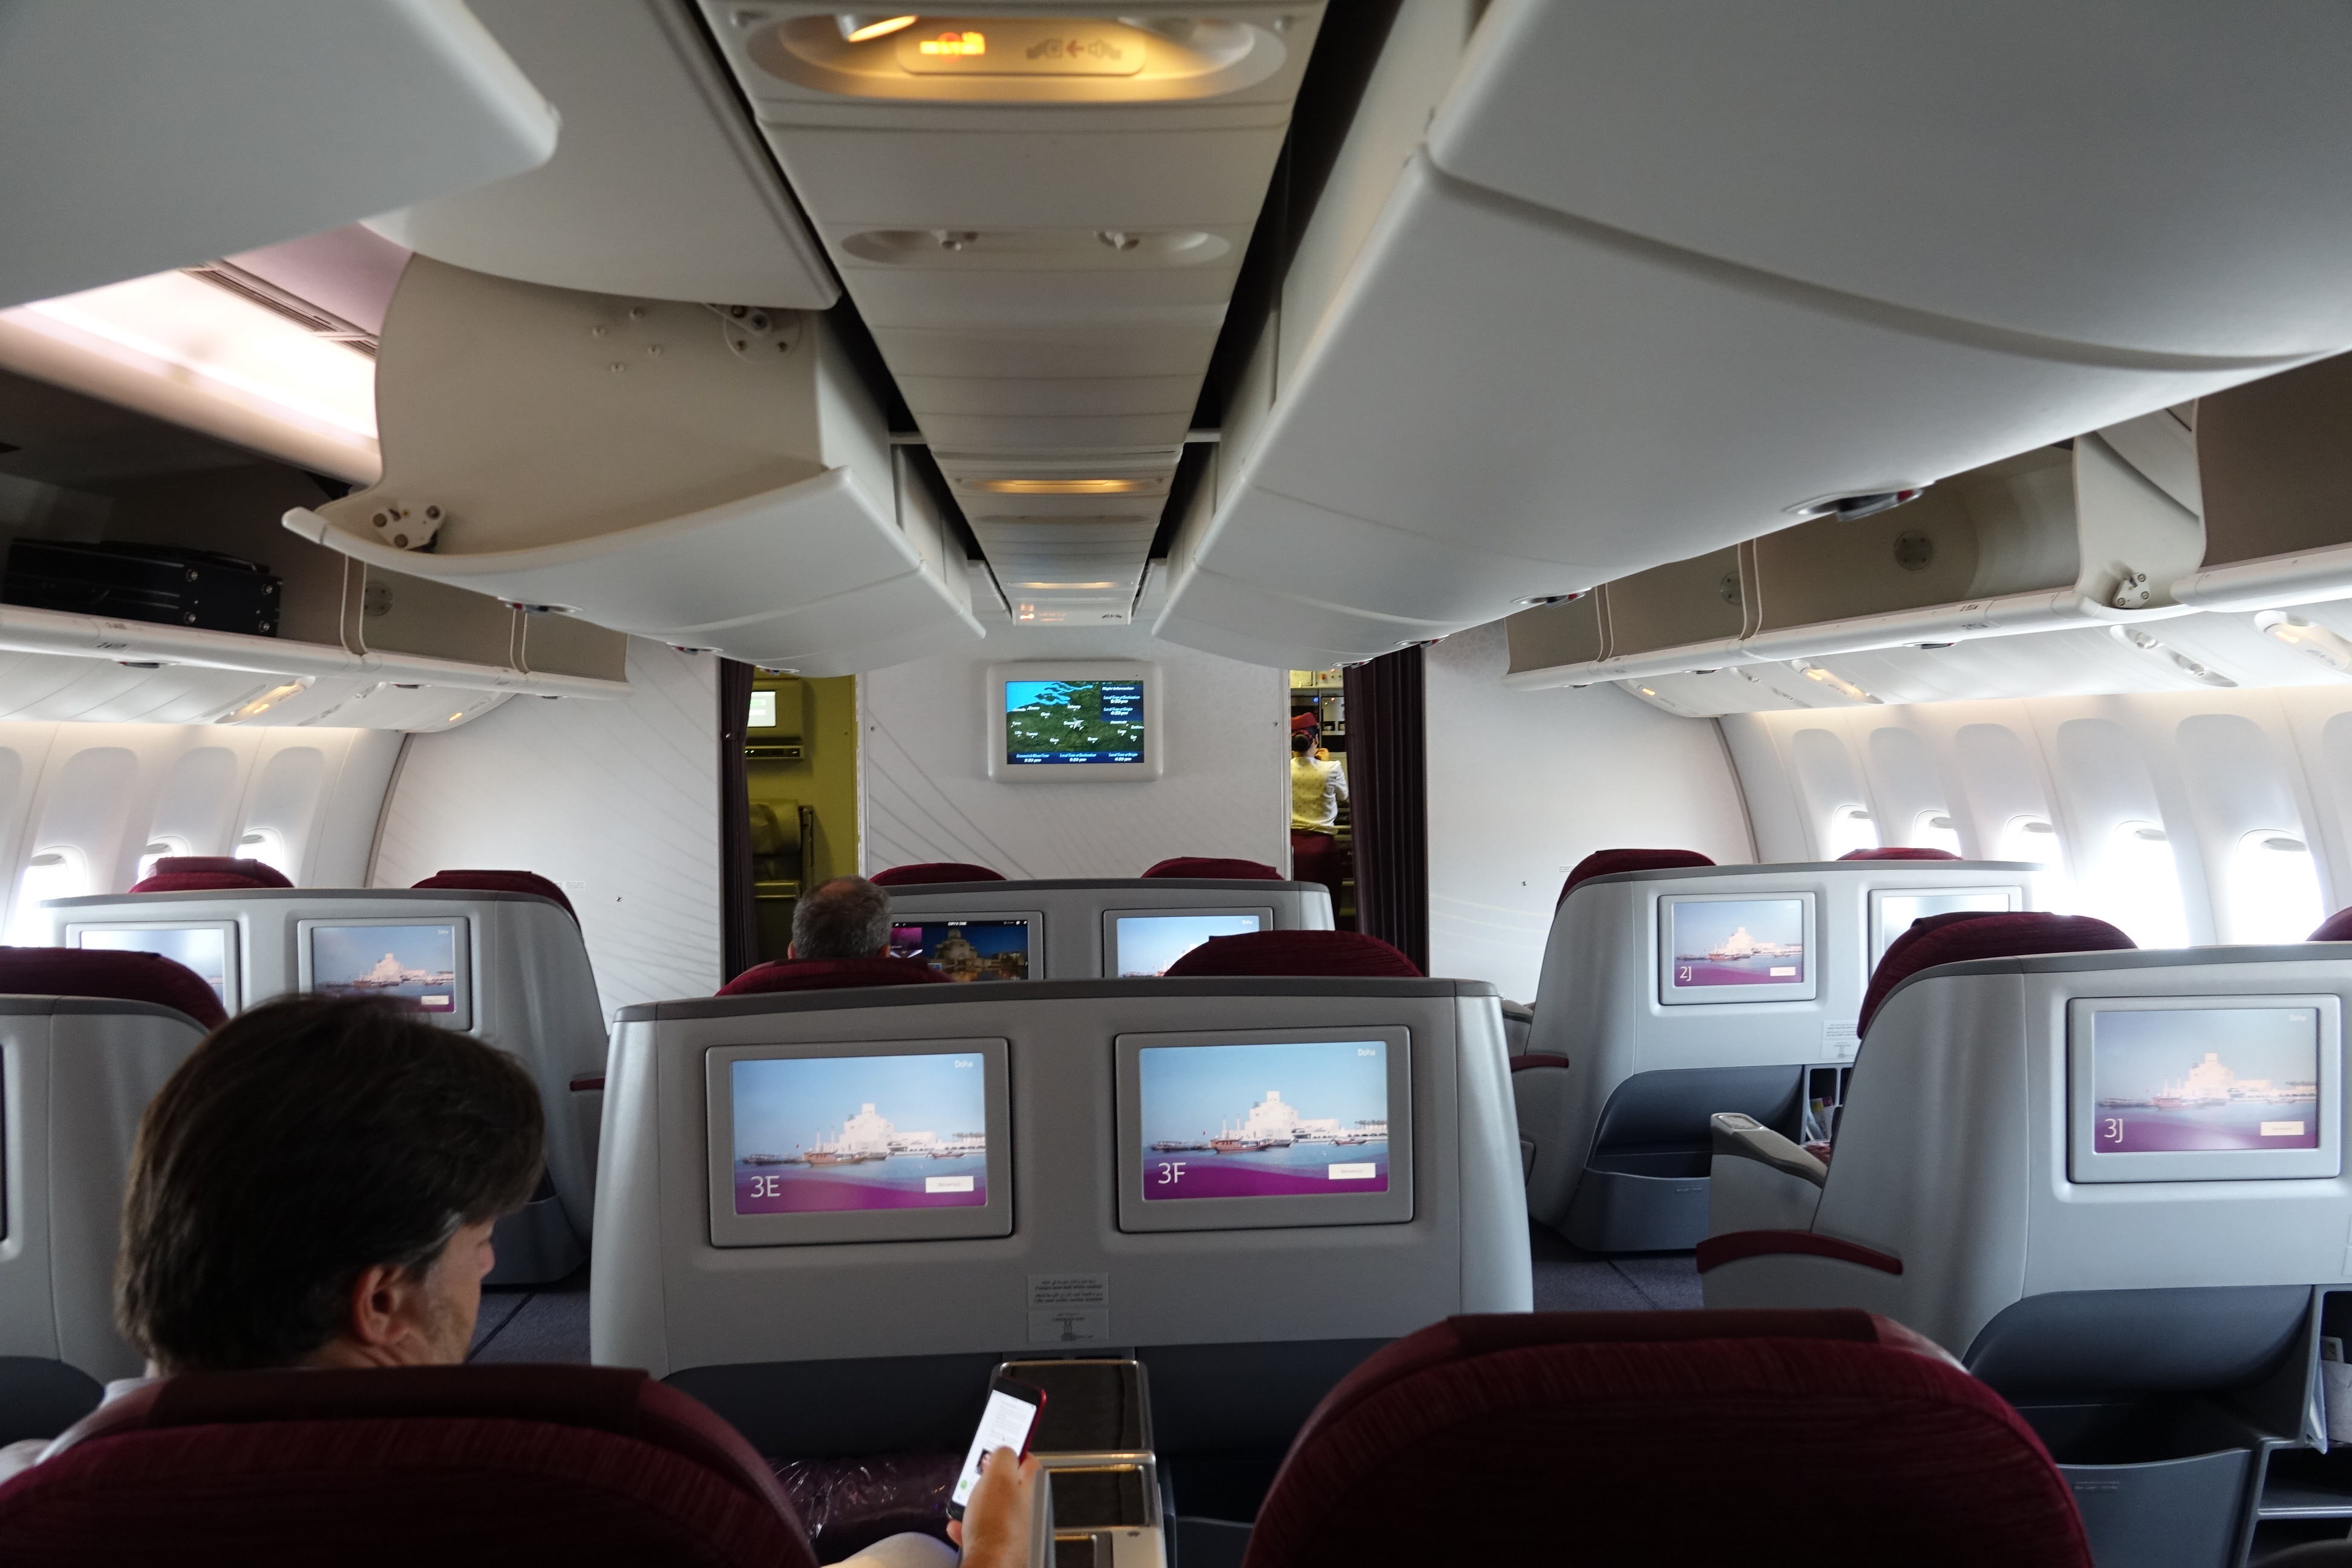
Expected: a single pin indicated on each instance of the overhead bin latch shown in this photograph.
(407, 527)
(1847, 509)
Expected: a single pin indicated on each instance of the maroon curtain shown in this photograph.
(738, 915)
(1388, 789)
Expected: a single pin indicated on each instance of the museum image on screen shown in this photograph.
(966, 950)
(1737, 941)
(415, 966)
(2193, 1079)
(1148, 944)
(836, 1135)
(1049, 722)
(204, 948)
(1265, 1120)
(1897, 911)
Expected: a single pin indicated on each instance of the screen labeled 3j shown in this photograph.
(835, 1134)
(2205, 1079)
(1265, 1120)
(1073, 723)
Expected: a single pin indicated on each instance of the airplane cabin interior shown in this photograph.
(1610, 746)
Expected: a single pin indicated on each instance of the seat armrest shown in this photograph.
(1743, 1137)
(1519, 1012)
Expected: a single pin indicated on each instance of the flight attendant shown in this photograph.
(1316, 788)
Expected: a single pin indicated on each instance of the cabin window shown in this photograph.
(163, 844)
(2274, 889)
(1850, 828)
(1936, 830)
(268, 846)
(2137, 886)
(2031, 839)
(62, 872)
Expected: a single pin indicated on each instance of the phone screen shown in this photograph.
(1003, 1425)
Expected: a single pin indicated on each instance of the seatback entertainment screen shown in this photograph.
(1243, 1131)
(1052, 723)
(2185, 1092)
(966, 950)
(1892, 912)
(1735, 949)
(209, 949)
(1145, 945)
(825, 1134)
(414, 964)
(858, 1141)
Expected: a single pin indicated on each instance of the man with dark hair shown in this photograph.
(847, 917)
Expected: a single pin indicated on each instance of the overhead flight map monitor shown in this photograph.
(1094, 721)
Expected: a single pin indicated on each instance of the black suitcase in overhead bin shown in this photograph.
(160, 583)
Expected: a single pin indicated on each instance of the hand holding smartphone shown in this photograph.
(1008, 1422)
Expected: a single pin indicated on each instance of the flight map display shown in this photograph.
(415, 966)
(966, 950)
(2171, 1080)
(1265, 1120)
(1737, 941)
(1073, 722)
(832, 1135)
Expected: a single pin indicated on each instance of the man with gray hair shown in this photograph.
(840, 938)
(847, 917)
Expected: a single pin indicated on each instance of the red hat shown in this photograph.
(1305, 721)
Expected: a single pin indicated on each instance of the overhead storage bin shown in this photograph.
(710, 478)
(1658, 283)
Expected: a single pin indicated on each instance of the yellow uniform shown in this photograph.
(1316, 791)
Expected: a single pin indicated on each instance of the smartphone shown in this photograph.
(1010, 1417)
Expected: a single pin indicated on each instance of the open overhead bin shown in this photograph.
(1658, 282)
(715, 478)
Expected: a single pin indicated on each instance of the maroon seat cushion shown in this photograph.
(1294, 952)
(1609, 862)
(1898, 852)
(502, 882)
(206, 873)
(934, 871)
(1965, 934)
(451, 1467)
(1664, 1438)
(2336, 927)
(122, 976)
(1211, 867)
(831, 975)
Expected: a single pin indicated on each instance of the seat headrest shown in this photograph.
(1283, 953)
(204, 873)
(1212, 867)
(113, 976)
(1964, 934)
(1609, 862)
(2336, 927)
(381, 1457)
(501, 882)
(934, 871)
(1535, 1418)
(831, 975)
(1899, 852)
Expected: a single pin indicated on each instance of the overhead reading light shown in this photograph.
(267, 700)
(1066, 584)
(1060, 487)
(955, 44)
(2132, 636)
(1842, 687)
(857, 27)
(2300, 634)
(1848, 509)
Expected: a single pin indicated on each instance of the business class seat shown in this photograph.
(1294, 952)
(831, 974)
(1615, 862)
(2150, 1308)
(933, 871)
(1210, 866)
(204, 873)
(86, 1039)
(862, 1337)
(2336, 927)
(1668, 1008)
(457, 1467)
(1085, 928)
(522, 975)
(1899, 852)
(1666, 1437)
